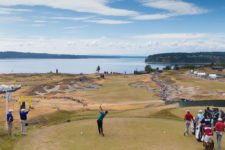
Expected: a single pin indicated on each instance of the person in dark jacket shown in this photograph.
(23, 120)
(9, 117)
(215, 117)
(222, 115)
(101, 116)
(206, 120)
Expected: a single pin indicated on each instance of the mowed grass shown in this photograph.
(121, 134)
(117, 89)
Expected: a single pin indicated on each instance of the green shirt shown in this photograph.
(101, 116)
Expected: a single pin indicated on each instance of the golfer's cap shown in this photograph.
(200, 111)
(187, 110)
(23, 110)
(10, 110)
(220, 119)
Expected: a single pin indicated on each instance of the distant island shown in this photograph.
(192, 58)
(22, 55)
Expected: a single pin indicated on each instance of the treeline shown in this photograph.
(21, 55)
(192, 58)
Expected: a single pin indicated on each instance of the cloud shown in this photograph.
(109, 21)
(12, 19)
(75, 27)
(86, 6)
(40, 21)
(169, 36)
(168, 8)
(178, 7)
(172, 7)
(7, 11)
(152, 17)
(71, 18)
(117, 46)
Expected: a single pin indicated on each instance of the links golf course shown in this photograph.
(65, 110)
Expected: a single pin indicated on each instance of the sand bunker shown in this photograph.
(66, 86)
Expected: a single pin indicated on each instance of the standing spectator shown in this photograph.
(10, 121)
(222, 115)
(219, 132)
(199, 129)
(101, 116)
(216, 116)
(188, 118)
(208, 112)
(24, 122)
(206, 120)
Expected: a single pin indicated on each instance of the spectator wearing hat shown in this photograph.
(9, 117)
(219, 132)
(199, 127)
(187, 118)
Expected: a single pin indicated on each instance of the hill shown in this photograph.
(22, 55)
(200, 57)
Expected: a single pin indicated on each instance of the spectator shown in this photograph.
(10, 121)
(219, 132)
(215, 116)
(188, 118)
(24, 122)
(222, 115)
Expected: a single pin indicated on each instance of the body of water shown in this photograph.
(75, 66)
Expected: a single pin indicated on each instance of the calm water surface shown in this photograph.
(76, 66)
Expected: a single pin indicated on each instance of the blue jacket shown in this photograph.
(23, 115)
(9, 117)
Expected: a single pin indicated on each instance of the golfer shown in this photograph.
(101, 116)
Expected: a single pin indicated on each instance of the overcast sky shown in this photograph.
(118, 27)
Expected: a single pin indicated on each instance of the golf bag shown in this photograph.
(199, 132)
(193, 127)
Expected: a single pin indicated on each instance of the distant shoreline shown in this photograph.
(22, 55)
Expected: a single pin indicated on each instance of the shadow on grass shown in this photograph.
(166, 114)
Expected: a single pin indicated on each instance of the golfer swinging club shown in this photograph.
(101, 116)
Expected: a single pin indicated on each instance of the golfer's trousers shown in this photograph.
(100, 126)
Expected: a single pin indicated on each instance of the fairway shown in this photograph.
(121, 134)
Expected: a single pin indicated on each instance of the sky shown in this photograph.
(112, 27)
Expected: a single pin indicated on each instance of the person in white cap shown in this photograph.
(219, 132)
(24, 122)
(9, 117)
(198, 119)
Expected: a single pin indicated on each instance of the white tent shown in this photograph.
(212, 76)
(195, 72)
(201, 74)
(9, 88)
